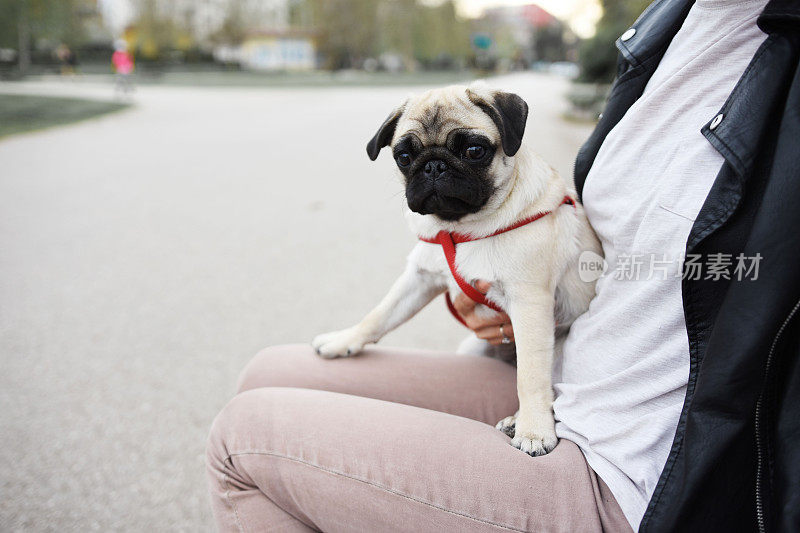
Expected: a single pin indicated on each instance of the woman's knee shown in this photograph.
(225, 429)
(247, 419)
(242, 426)
(288, 365)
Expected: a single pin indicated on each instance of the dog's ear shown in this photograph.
(508, 111)
(385, 133)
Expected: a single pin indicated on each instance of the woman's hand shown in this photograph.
(492, 329)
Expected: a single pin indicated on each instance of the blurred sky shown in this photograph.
(116, 14)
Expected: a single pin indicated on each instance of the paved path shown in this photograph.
(147, 255)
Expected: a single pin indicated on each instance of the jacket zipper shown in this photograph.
(760, 465)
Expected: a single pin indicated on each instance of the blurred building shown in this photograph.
(257, 35)
(271, 51)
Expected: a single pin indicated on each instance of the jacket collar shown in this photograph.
(738, 128)
(662, 19)
(736, 135)
(654, 29)
(780, 15)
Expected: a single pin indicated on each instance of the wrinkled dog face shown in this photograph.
(454, 147)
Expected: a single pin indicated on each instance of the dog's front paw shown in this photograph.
(534, 439)
(338, 343)
(507, 425)
(534, 445)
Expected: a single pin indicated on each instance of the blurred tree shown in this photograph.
(396, 18)
(300, 14)
(439, 35)
(15, 29)
(598, 55)
(154, 32)
(234, 27)
(24, 23)
(549, 44)
(347, 31)
(351, 31)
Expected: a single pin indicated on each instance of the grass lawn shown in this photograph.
(20, 113)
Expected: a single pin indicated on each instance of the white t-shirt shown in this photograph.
(626, 360)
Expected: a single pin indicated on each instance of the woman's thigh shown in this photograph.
(299, 459)
(480, 388)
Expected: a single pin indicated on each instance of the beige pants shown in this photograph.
(390, 440)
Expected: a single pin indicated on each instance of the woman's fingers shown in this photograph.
(483, 286)
(484, 327)
(475, 322)
(464, 305)
(494, 335)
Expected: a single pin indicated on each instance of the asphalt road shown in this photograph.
(145, 256)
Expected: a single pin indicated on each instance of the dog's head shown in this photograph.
(454, 147)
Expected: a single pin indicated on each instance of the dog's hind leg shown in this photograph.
(531, 312)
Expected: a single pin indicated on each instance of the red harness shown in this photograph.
(448, 242)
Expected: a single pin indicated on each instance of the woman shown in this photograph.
(675, 396)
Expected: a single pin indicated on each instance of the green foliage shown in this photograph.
(439, 33)
(598, 55)
(50, 21)
(9, 20)
(549, 43)
(398, 17)
(350, 31)
(234, 27)
(347, 30)
(154, 34)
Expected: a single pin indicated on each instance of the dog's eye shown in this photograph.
(403, 159)
(474, 152)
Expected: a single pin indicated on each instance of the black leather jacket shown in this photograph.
(735, 461)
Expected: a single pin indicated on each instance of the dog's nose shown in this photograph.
(434, 168)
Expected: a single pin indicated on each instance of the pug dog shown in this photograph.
(468, 170)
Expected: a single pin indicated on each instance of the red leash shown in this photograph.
(448, 243)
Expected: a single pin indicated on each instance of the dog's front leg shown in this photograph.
(412, 291)
(531, 311)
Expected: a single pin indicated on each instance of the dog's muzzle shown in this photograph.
(437, 189)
